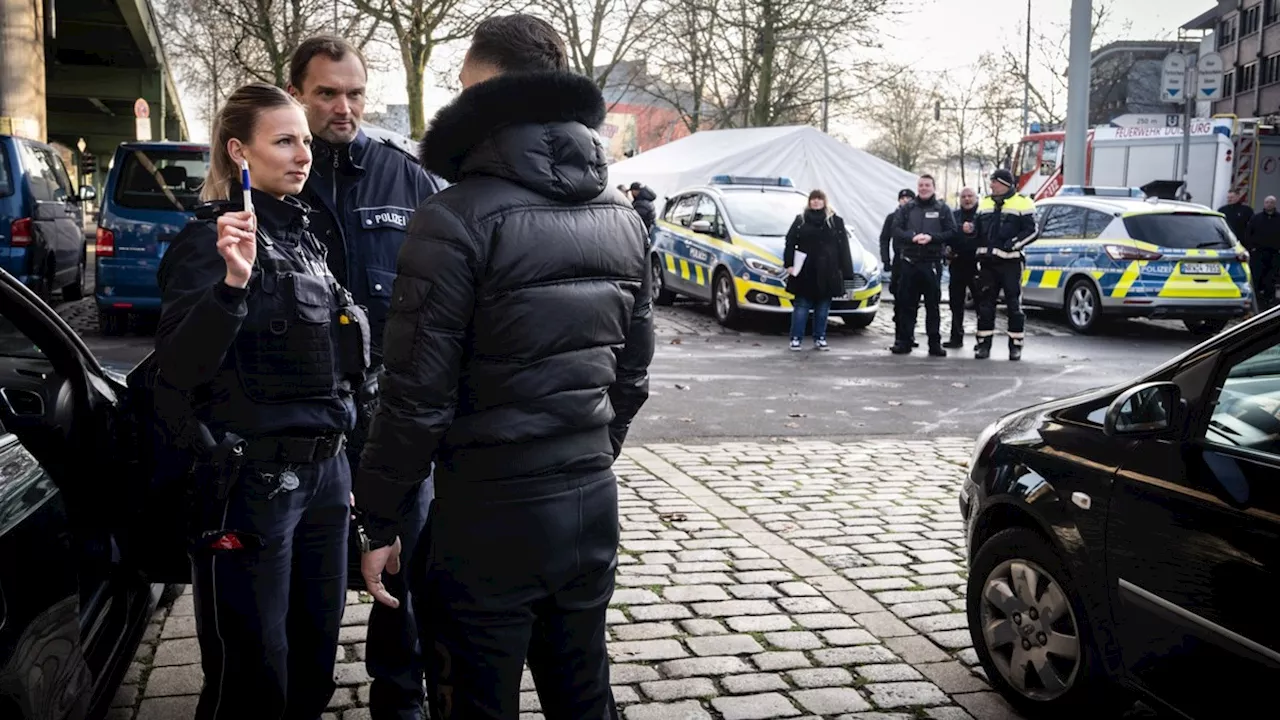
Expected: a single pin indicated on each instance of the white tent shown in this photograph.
(861, 187)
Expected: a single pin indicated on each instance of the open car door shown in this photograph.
(93, 441)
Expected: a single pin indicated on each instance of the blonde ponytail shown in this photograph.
(238, 119)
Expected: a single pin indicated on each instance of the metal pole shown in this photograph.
(1078, 93)
(1026, 77)
(162, 104)
(1188, 95)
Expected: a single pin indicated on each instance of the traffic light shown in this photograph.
(88, 164)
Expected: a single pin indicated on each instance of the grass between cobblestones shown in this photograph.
(755, 581)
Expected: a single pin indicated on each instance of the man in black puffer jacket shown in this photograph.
(517, 353)
(642, 198)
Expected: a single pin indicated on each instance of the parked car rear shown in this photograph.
(151, 192)
(42, 239)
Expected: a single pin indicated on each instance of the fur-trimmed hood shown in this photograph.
(534, 129)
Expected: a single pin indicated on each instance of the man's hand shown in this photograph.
(921, 239)
(373, 563)
(967, 227)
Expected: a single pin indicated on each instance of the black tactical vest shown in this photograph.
(287, 347)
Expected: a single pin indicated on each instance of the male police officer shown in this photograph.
(1006, 225)
(364, 193)
(1238, 213)
(963, 264)
(887, 258)
(921, 231)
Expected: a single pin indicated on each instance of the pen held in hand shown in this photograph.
(247, 186)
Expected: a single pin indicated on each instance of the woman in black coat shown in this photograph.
(818, 262)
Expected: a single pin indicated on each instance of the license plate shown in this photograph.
(1201, 269)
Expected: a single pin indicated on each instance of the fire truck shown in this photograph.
(1227, 153)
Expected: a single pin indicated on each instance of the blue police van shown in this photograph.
(42, 241)
(723, 243)
(151, 193)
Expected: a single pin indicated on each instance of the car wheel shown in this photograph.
(661, 295)
(75, 290)
(1029, 629)
(858, 322)
(1083, 307)
(725, 301)
(1205, 328)
(111, 322)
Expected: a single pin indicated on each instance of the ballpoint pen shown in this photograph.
(244, 183)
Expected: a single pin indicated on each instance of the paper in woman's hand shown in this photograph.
(798, 263)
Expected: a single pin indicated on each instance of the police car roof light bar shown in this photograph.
(742, 180)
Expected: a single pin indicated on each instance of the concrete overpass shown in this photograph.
(72, 70)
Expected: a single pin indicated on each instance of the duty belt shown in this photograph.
(295, 450)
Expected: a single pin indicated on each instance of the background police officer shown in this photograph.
(887, 258)
(364, 193)
(257, 336)
(921, 231)
(963, 263)
(1006, 225)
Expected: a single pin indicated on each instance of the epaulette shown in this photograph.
(214, 209)
(403, 151)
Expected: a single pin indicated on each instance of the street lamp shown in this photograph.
(1026, 77)
(826, 73)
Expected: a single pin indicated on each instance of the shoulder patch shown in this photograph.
(387, 142)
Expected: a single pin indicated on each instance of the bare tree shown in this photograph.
(599, 34)
(902, 115)
(421, 26)
(1049, 59)
(685, 51)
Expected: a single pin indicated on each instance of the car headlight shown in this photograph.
(984, 439)
(765, 268)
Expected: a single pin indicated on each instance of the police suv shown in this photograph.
(1100, 255)
(723, 243)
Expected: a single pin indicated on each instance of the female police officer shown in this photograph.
(261, 340)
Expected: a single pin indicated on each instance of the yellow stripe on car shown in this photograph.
(671, 263)
(684, 269)
(1128, 279)
(701, 279)
(1051, 279)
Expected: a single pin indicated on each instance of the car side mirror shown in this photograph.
(701, 226)
(1147, 410)
(88, 193)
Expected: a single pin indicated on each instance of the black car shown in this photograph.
(88, 542)
(1128, 539)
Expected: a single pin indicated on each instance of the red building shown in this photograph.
(640, 119)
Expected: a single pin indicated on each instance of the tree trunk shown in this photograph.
(413, 84)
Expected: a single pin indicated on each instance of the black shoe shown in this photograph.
(955, 343)
(937, 351)
(900, 350)
(982, 351)
(915, 344)
(1015, 352)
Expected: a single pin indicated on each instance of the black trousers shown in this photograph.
(268, 614)
(994, 277)
(519, 570)
(964, 276)
(920, 281)
(1264, 266)
(393, 653)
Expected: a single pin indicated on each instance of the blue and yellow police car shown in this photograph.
(1120, 257)
(723, 243)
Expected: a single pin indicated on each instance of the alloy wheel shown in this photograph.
(724, 297)
(1082, 307)
(1030, 630)
(655, 270)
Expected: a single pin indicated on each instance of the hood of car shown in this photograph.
(771, 249)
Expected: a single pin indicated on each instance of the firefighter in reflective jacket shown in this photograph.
(1006, 225)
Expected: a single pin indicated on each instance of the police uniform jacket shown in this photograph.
(930, 217)
(1006, 225)
(260, 360)
(520, 331)
(363, 196)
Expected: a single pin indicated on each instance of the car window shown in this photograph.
(770, 214)
(1065, 222)
(6, 182)
(1247, 414)
(683, 213)
(1095, 223)
(708, 211)
(41, 179)
(15, 343)
(54, 162)
(161, 179)
(1179, 230)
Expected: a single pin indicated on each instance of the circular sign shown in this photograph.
(1269, 165)
(141, 109)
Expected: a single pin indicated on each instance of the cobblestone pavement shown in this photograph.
(756, 581)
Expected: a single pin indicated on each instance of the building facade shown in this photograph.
(1126, 79)
(643, 111)
(1247, 35)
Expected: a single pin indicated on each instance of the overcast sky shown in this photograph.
(935, 35)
